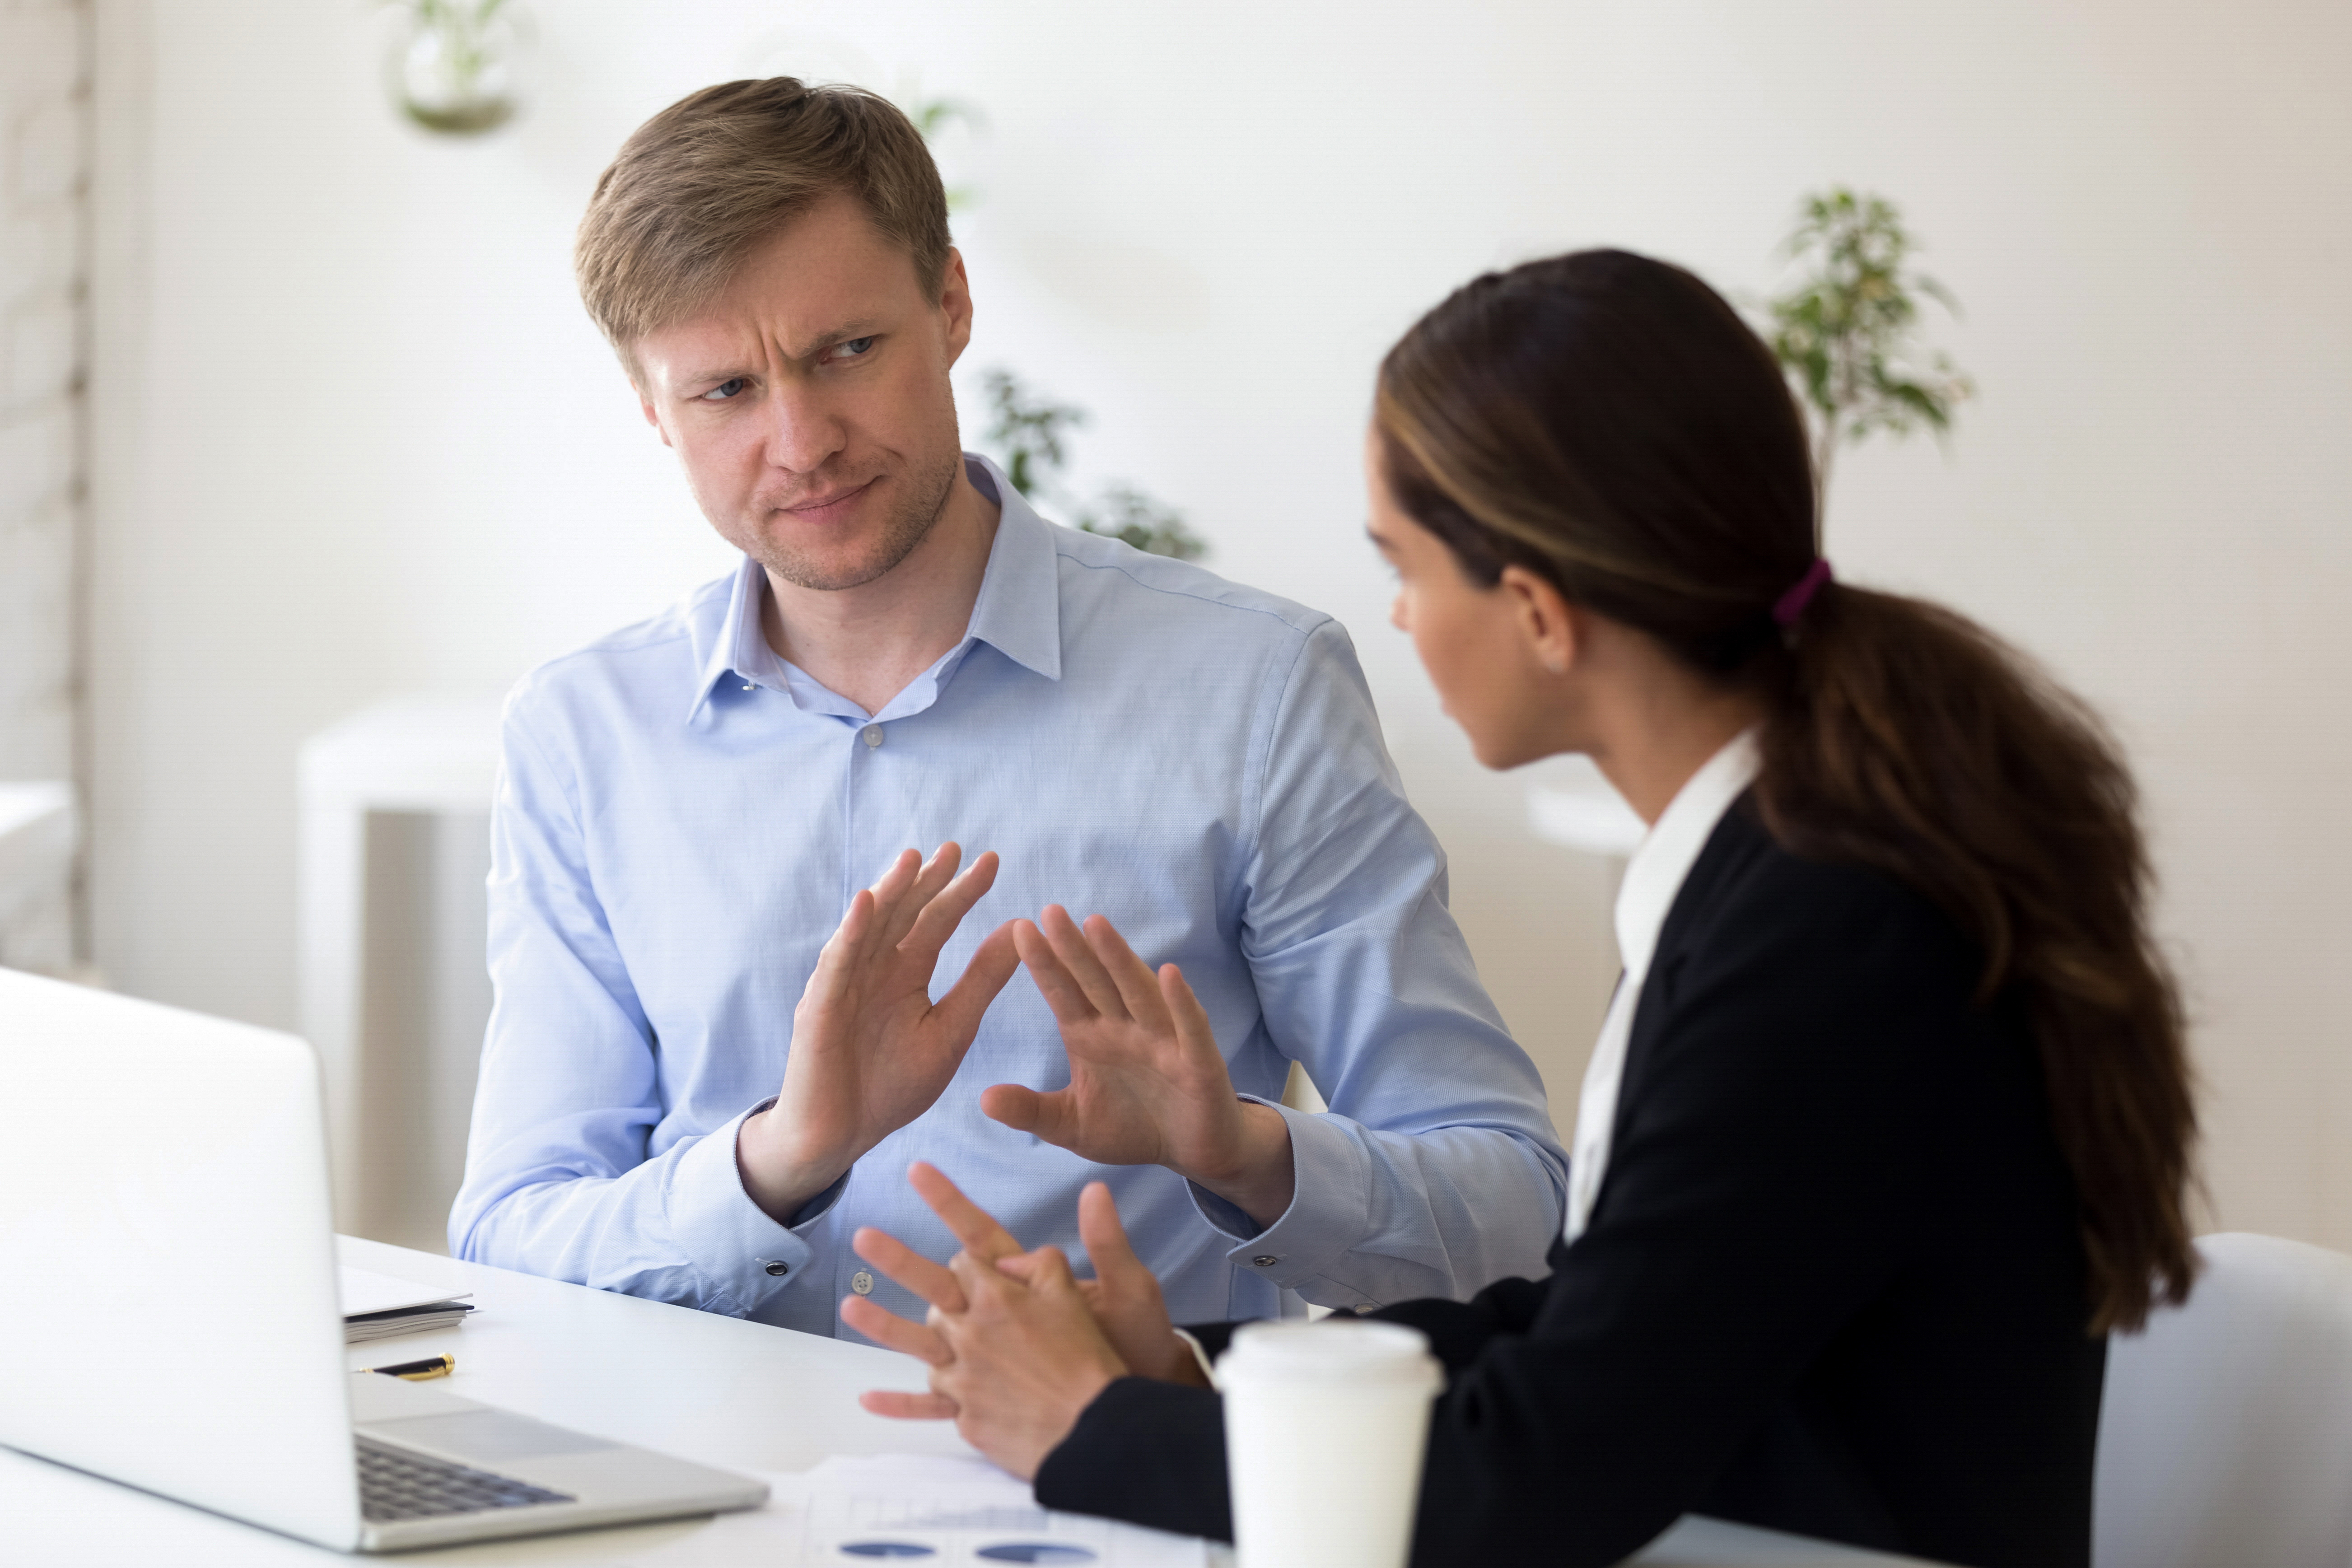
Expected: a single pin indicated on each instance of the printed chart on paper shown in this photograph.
(956, 1513)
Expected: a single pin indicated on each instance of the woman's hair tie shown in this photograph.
(1791, 605)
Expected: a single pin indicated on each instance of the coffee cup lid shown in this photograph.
(1347, 1352)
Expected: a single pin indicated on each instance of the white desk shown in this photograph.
(741, 1396)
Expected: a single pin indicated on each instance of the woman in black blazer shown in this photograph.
(1890, 1121)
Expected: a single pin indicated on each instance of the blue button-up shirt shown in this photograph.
(682, 817)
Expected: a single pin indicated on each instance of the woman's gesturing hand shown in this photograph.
(1124, 1296)
(1026, 1358)
(1148, 1084)
(1018, 1346)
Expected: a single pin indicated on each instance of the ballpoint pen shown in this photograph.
(419, 1371)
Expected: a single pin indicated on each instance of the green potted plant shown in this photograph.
(1845, 331)
(1026, 433)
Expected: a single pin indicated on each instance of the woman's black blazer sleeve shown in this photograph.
(1832, 1282)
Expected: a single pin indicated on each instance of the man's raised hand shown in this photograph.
(870, 1050)
(1148, 1085)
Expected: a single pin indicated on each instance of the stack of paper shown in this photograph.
(949, 1513)
(377, 1307)
(923, 1512)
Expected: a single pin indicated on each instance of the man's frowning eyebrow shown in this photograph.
(822, 340)
(832, 335)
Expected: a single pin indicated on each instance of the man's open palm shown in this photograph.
(870, 1050)
(1148, 1085)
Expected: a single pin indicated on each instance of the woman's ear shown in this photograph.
(1545, 623)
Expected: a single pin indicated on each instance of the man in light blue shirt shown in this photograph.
(715, 1048)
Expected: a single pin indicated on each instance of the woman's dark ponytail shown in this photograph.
(1609, 422)
(1908, 739)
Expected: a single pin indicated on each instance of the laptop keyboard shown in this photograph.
(395, 1484)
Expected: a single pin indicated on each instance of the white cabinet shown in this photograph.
(40, 829)
(394, 847)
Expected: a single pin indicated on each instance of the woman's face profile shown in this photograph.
(1470, 637)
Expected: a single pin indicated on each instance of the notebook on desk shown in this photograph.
(381, 1306)
(177, 1172)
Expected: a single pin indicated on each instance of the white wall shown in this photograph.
(357, 438)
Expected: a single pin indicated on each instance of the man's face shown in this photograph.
(809, 402)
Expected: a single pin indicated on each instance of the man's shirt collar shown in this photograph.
(1018, 613)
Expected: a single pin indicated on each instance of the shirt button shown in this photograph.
(779, 1269)
(862, 1283)
(1265, 1261)
(872, 736)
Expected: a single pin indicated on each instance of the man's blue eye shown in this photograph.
(724, 390)
(854, 347)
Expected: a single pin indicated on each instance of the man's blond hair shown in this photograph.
(701, 184)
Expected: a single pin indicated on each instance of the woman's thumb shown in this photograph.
(1105, 1238)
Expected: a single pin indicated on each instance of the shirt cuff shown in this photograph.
(1330, 1212)
(746, 1260)
(1199, 1357)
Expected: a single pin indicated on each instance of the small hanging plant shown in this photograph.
(454, 64)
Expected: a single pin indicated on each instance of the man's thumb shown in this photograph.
(1014, 1106)
(1053, 1117)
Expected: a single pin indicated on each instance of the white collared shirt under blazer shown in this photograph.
(1652, 878)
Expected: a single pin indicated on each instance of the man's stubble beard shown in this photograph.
(908, 523)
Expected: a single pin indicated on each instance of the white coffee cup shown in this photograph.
(1324, 1428)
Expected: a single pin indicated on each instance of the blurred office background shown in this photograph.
(301, 414)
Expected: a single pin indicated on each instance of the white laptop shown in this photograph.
(168, 1302)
